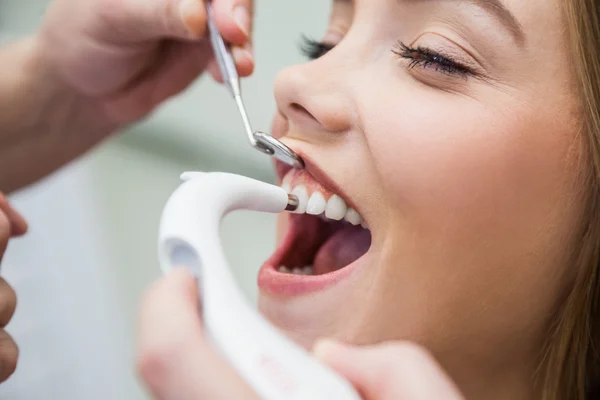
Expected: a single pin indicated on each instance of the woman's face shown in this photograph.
(450, 128)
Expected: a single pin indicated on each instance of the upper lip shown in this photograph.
(320, 176)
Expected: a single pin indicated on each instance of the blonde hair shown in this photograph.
(572, 363)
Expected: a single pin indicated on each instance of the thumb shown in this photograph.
(391, 371)
(133, 21)
(136, 20)
(175, 359)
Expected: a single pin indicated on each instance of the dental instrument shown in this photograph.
(274, 366)
(258, 140)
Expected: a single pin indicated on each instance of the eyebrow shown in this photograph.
(502, 15)
(505, 17)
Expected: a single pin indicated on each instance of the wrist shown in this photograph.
(45, 123)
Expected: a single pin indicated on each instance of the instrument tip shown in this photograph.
(293, 203)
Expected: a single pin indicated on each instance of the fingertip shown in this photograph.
(193, 16)
(244, 60)
(179, 275)
(181, 280)
(18, 225)
(327, 349)
(233, 22)
(335, 354)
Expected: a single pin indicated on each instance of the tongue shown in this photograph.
(341, 249)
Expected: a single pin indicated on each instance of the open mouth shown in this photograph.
(325, 237)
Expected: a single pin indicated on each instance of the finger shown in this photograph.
(214, 71)
(143, 20)
(234, 20)
(18, 225)
(175, 360)
(180, 65)
(8, 302)
(389, 371)
(9, 355)
(244, 62)
(244, 59)
(5, 231)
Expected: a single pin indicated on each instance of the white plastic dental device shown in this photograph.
(274, 366)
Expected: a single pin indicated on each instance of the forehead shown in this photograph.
(541, 24)
(543, 16)
(542, 13)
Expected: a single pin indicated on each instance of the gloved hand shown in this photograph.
(11, 224)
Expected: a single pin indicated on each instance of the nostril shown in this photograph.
(320, 113)
(297, 108)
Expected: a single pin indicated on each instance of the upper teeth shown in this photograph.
(335, 208)
(302, 194)
(353, 217)
(316, 204)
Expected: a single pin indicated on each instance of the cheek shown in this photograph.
(483, 205)
(499, 182)
(449, 156)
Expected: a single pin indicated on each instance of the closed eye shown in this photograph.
(313, 49)
(427, 58)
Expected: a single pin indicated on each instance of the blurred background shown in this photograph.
(91, 250)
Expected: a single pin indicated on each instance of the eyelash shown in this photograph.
(313, 49)
(427, 58)
(418, 57)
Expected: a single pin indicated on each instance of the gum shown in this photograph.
(297, 177)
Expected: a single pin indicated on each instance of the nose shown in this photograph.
(312, 98)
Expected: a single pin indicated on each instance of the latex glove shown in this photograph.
(389, 371)
(175, 360)
(11, 224)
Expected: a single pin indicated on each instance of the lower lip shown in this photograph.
(273, 282)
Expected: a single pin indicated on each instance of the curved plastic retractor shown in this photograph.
(273, 365)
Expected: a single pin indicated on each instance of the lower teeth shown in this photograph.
(308, 270)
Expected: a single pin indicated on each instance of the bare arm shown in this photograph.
(43, 122)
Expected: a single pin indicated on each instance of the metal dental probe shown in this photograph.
(258, 140)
